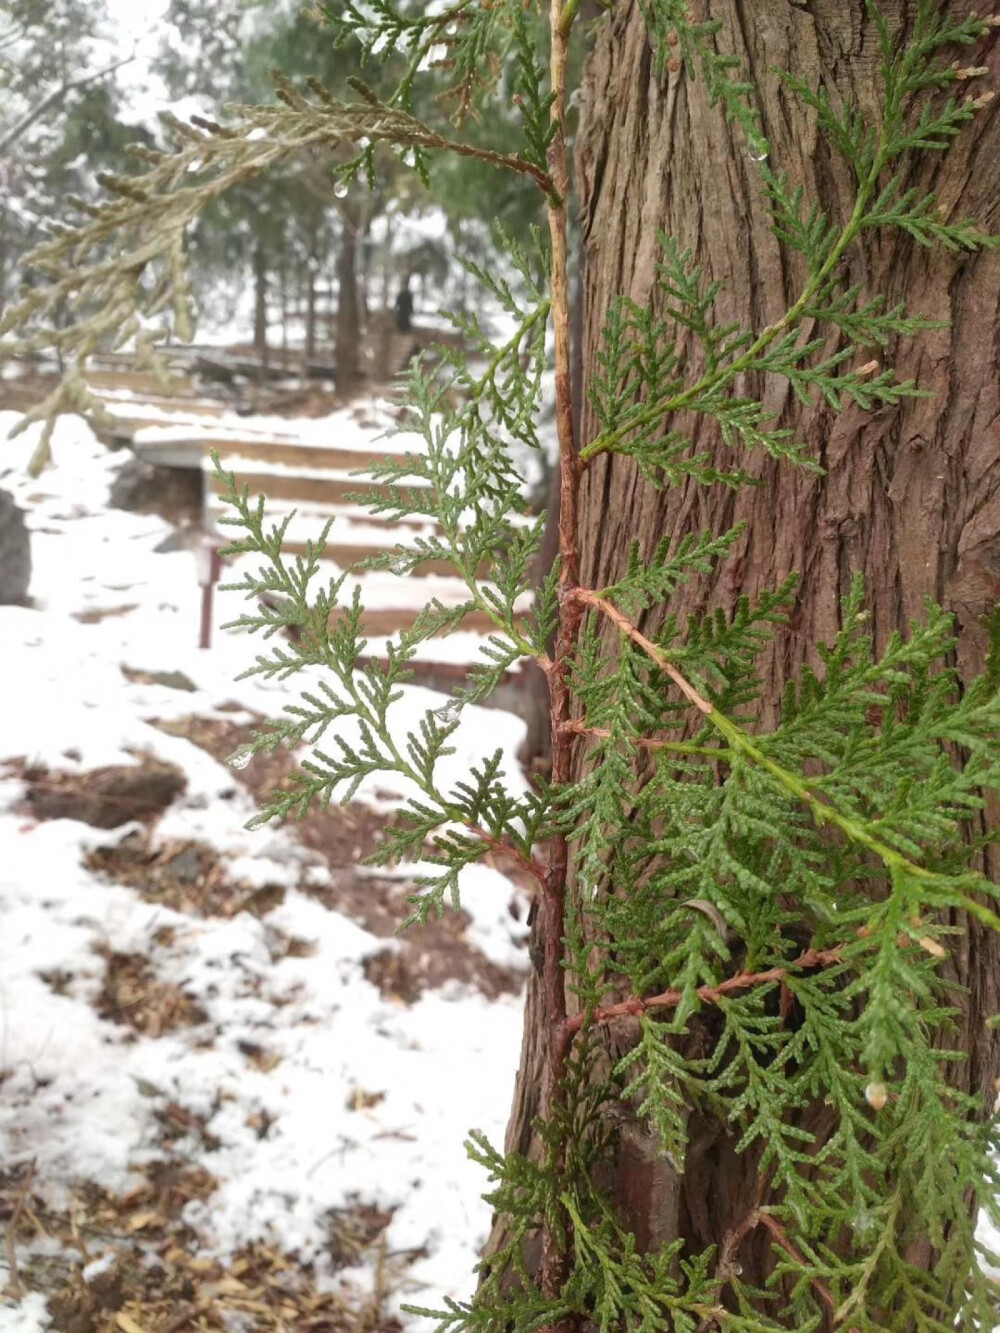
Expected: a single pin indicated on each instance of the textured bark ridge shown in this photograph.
(911, 496)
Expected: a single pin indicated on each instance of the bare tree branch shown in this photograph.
(14, 33)
(54, 98)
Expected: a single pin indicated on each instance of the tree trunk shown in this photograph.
(311, 266)
(283, 293)
(347, 350)
(260, 306)
(910, 496)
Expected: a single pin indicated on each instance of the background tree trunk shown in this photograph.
(347, 358)
(260, 306)
(310, 339)
(911, 496)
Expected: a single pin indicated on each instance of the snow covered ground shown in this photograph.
(297, 1084)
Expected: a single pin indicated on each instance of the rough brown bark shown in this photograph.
(911, 496)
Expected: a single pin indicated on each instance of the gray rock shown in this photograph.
(15, 553)
(135, 487)
(186, 865)
(105, 797)
(142, 487)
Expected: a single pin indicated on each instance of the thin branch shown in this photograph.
(856, 830)
(14, 34)
(658, 655)
(20, 1205)
(526, 863)
(555, 1260)
(578, 727)
(636, 1005)
(56, 96)
(725, 1268)
(782, 1238)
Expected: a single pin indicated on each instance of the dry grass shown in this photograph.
(133, 996)
(183, 874)
(153, 1279)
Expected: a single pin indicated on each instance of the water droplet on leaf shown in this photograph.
(240, 758)
(340, 189)
(757, 148)
(448, 713)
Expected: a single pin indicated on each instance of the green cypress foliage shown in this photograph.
(792, 893)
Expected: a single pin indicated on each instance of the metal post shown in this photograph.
(208, 565)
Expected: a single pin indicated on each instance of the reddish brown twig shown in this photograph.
(658, 655)
(555, 1259)
(578, 727)
(782, 1238)
(636, 1005)
(526, 863)
(20, 1205)
(726, 1265)
(760, 1217)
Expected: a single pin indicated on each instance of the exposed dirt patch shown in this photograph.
(354, 1230)
(144, 1269)
(134, 997)
(102, 797)
(427, 955)
(405, 974)
(178, 1124)
(173, 680)
(185, 875)
(342, 836)
(96, 614)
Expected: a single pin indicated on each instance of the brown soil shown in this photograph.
(406, 973)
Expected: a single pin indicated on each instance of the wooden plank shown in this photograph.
(316, 490)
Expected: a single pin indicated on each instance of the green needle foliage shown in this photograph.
(775, 909)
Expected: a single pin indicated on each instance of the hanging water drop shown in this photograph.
(736, 1270)
(876, 1095)
(448, 714)
(757, 148)
(401, 565)
(240, 758)
(340, 189)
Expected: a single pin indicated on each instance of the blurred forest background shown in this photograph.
(288, 261)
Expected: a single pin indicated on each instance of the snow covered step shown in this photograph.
(350, 557)
(142, 382)
(387, 621)
(354, 524)
(150, 408)
(290, 453)
(392, 602)
(356, 535)
(322, 486)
